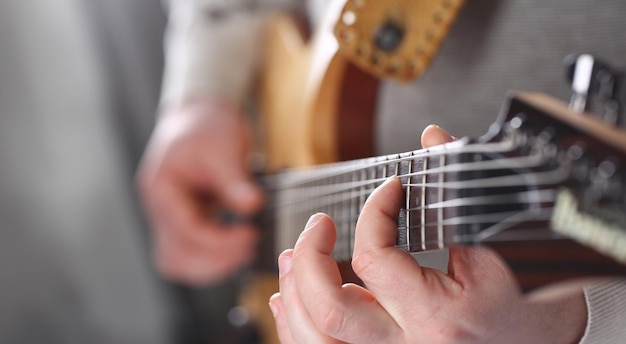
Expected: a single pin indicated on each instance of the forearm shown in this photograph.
(585, 311)
(559, 318)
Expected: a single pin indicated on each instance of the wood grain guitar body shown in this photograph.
(304, 88)
(316, 108)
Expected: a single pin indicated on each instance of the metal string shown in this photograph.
(323, 189)
(309, 193)
(295, 177)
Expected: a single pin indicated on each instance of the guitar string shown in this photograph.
(313, 202)
(364, 190)
(520, 234)
(541, 196)
(518, 163)
(321, 201)
(522, 197)
(540, 214)
(308, 192)
(388, 163)
(292, 177)
(511, 199)
(450, 239)
(502, 220)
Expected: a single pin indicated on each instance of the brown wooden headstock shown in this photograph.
(590, 203)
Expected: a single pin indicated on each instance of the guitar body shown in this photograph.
(315, 108)
(293, 134)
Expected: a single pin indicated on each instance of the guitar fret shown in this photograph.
(407, 205)
(346, 220)
(363, 189)
(397, 169)
(332, 210)
(351, 213)
(442, 161)
(337, 210)
(423, 205)
(300, 215)
(303, 195)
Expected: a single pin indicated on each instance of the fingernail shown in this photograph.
(284, 264)
(390, 180)
(274, 308)
(313, 221)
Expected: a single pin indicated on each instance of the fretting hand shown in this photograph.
(478, 301)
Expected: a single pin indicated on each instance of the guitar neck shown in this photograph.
(341, 189)
(445, 199)
(520, 182)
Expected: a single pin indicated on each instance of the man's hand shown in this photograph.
(195, 166)
(478, 301)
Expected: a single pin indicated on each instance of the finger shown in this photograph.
(302, 327)
(386, 270)
(434, 135)
(348, 313)
(192, 248)
(192, 266)
(280, 318)
(228, 176)
(206, 147)
(380, 210)
(233, 186)
(176, 209)
(375, 236)
(172, 201)
(205, 263)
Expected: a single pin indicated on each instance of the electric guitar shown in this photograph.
(541, 173)
(545, 186)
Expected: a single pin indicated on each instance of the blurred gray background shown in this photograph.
(79, 85)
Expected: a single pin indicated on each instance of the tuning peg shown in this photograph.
(589, 77)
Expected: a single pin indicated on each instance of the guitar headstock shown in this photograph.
(544, 174)
(590, 204)
(590, 199)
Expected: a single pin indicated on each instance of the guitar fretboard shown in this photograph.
(445, 199)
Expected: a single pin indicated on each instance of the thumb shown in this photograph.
(237, 190)
(224, 160)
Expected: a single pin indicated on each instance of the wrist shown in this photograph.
(557, 318)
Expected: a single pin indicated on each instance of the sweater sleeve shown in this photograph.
(606, 305)
(213, 47)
